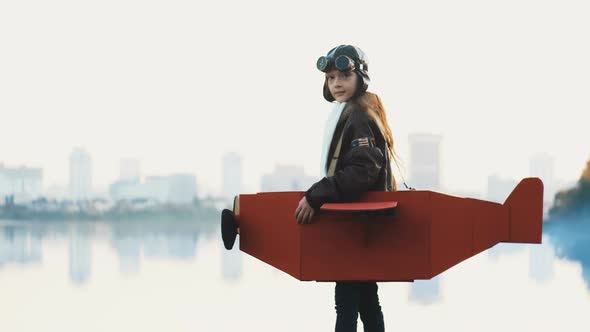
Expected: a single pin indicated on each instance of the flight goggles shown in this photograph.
(342, 63)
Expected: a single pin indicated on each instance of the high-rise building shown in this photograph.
(286, 178)
(129, 169)
(175, 189)
(425, 164)
(80, 174)
(231, 174)
(499, 188)
(541, 165)
(22, 183)
(183, 188)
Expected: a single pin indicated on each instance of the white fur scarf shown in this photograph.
(329, 129)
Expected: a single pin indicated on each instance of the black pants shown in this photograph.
(354, 298)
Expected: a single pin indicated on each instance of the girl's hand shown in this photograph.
(304, 212)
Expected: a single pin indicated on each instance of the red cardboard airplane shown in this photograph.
(385, 236)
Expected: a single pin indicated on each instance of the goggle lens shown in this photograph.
(323, 63)
(344, 63)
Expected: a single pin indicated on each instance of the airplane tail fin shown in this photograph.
(525, 205)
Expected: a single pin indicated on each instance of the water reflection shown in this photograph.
(426, 292)
(504, 249)
(231, 263)
(181, 246)
(128, 249)
(80, 253)
(541, 261)
(164, 275)
(21, 242)
(571, 239)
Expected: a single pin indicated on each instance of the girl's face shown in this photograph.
(342, 85)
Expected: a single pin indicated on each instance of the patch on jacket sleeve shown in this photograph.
(363, 142)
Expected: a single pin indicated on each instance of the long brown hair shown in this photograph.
(371, 103)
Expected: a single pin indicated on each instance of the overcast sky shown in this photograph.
(176, 84)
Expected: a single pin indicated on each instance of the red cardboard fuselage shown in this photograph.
(429, 233)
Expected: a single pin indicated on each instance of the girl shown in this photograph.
(357, 149)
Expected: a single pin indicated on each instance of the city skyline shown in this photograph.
(214, 184)
(425, 164)
(497, 93)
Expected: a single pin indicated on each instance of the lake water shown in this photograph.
(176, 276)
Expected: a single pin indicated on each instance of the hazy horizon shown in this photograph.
(177, 84)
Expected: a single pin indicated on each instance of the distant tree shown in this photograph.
(586, 173)
(573, 201)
